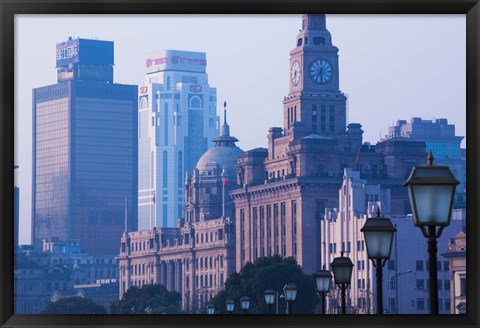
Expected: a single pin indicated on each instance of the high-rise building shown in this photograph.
(84, 151)
(284, 190)
(16, 213)
(177, 123)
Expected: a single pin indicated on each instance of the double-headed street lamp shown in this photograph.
(245, 303)
(378, 233)
(210, 309)
(269, 296)
(230, 306)
(323, 279)
(431, 189)
(342, 268)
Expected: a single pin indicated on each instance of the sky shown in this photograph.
(391, 67)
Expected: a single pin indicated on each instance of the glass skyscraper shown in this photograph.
(177, 123)
(85, 151)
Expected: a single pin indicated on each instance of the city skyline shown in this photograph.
(362, 69)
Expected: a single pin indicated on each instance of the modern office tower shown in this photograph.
(16, 213)
(405, 275)
(85, 151)
(177, 124)
(289, 185)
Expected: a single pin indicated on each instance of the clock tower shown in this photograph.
(314, 98)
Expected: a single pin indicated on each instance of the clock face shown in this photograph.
(295, 73)
(321, 71)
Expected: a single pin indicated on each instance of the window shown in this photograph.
(420, 304)
(445, 266)
(319, 40)
(392, 283)
(447, 284)
(420, 284)
(299, 42)
(463, 286)
(419, 265)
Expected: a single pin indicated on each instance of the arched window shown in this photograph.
(195, 102)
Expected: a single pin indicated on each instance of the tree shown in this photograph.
(154, 299)
(74, 305)
(268, 273)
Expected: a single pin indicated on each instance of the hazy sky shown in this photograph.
(391, 67)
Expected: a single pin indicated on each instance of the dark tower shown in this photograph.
(314, 97)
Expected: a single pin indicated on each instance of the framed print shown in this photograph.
(295, 164)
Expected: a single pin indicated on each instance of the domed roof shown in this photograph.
(224, 154)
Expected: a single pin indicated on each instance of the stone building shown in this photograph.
(405, 275)
(283, 191)
(196, 257)
(457, 258)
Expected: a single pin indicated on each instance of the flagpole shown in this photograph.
(223, 192)
(126, 211)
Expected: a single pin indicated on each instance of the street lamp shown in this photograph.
(269, 299)
(323, 279)
(210, 309)
(230, 306)
(245, 303)
(431, 189)
(378, 233)
(290, 291)
(342, 268)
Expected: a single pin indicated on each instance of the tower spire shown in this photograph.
(225, 129)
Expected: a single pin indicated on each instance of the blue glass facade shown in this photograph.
(85, 163)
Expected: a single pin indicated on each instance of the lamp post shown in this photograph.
(342, 268)
(230, 306)
(245, 303)
(431, 189)
(378, 233)
(269, 296)
(210, 309)
(290, 291)
(323, 279)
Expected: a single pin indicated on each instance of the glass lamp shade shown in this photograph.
(210, 309)
(378, 233)
(342, 268)
(245, 302)
(431, 189)
(269, 296)
(323, 278)
(230, 305)
(290, 291)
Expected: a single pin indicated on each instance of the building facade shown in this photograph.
(196, 257)
(283, 191)
(439, 137)
(457, 259)
(405, 275)
(60, 269)
(84, 151)
(177, 123)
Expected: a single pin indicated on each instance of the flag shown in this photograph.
(357, 158)
(225, 182)
(153, 199)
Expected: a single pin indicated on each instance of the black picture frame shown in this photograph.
(9, 8)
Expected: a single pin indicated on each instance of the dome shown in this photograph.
(223, 156)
